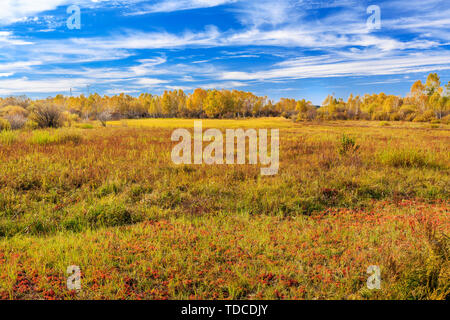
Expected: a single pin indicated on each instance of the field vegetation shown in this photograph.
(107, 197)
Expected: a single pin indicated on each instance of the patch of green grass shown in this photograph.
(41, 137)
(109, 215)
(85, 126)
(45, 137)
(8, 137)
(407, 158)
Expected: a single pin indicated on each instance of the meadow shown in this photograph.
(348, 195)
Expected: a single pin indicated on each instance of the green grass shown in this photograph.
(408, 158)
(46, 137)
(8, 137)
(85, 126)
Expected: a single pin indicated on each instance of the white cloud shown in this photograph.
(179, 5)
(8, 69)
(116, 91)
(150, 82)
(25, 85)
(18, 10)
(256, 13)
(324, 67)
(7, 38)
(223, 85)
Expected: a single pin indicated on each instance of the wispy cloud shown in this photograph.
(25, 85)
(178, 5)
(324, 67)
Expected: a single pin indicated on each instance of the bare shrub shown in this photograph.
(47, 116)
(16, 121)
(104, 116)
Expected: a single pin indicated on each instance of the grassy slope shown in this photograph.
(110, 201)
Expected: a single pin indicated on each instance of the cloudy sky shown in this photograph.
(282, 48)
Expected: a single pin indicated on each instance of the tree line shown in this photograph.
(426, 102)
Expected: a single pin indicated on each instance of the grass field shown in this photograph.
(111, 201)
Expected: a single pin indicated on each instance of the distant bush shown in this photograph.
(47, 116)
(406, 110)
(104, 116)
(380, 116)
(425, 117)
(8, 137)
(16, 121)
(407, 158)
(13, 111)
(395, 116)
(411, 116)
(446, 119)
(69, 118)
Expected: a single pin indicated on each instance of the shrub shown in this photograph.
(426, 116)
(406, 110)
(411, 116)
(406, 158)
(395, 116)
(31, 125)
(69, 118)
(4, 125)
(347, 145)
(14, 111)
(47, 116)
(380, 116)
(16, 121)
(8, 137)
(446, 119)
(103, 117)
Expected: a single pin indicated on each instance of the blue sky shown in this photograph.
(283, 48)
